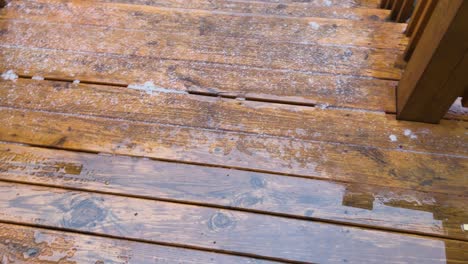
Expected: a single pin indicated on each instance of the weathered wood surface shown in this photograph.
(360, 204)
(336, 59)
(206, 23)
(242, 8)
(216, 229)
(21, 244)
(224, 80)
(340, 162)
(223, 4)
(165, 106)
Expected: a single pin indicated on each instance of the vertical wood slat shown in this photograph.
(405, 11)
(437, 72)
(420, 28)
(397, 5)
(383, 3)
(389, 4)
(418, 11)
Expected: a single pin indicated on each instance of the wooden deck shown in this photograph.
(219, 131)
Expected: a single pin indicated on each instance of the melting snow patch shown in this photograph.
(393, 138)
(38, 78)
(150, 88)
(10, 75)
(314, 25)
(410, 134)
(322, 106)
(465, 227)
(76, 81)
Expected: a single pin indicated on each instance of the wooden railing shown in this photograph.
(437, 54)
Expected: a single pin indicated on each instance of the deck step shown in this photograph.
(145, 10)
(360, 204)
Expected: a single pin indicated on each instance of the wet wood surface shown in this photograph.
(219, 131)
(216, 229)
(340, 162)
(21, 244)
(361, 204)
(166, 106)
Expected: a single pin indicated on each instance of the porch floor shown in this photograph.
(219, 131)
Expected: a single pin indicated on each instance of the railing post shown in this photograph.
(438, 70)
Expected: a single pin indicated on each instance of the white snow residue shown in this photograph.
(465, 227)
(393, 138)
(149, 88)
(10, 75)
(327, 2)
(410, 134)
(322, 106)
(38, 78)
(314, 25)
(76, 81)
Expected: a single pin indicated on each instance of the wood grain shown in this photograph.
(361, 204)
(348, 163)
(21, 244)
(336, 59)
(214, 79)
(242, 8)
(215, 229)
(220, 24)
(306, 123)
(223, 4)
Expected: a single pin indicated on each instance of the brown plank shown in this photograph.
(333, 59)
(223, 4)
(361, 204)
(307, 123)
(66, 8)
(215, 79)
(238, 150)
(436, 75)
(215, 229)
(21, 244)
(206, 23)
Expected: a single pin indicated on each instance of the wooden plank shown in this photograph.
(418, 11)
(21, 244)
(436, 75)
(168, 106)
(215, 229)
(420, 28)
(360, 204)
(223, 50)
(346, 163)
(223, 4)
(224, 80)
(246, 9)
(207, 23)
(406, 11)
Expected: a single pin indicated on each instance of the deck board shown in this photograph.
(20, 244)
(310, 30)
(219, 131)
(323, 160)
(360, 204)
(166, 106)
(215, 229)
(336, 59)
